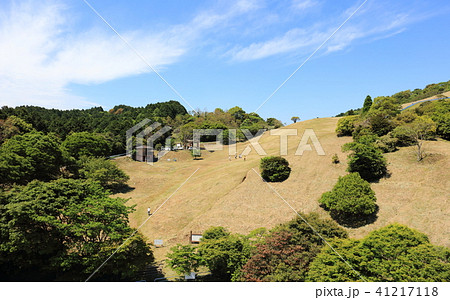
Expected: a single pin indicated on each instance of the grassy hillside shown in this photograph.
(230, 194)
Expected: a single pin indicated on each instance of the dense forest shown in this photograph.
(113, 124)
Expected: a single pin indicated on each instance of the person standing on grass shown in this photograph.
(148, 211)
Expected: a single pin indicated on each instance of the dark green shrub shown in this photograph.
(274, 168)
(366, 160)
(351, 195)
(367, 104)
(366, 137)
(380, 124)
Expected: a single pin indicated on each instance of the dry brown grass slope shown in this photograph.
(230, 194)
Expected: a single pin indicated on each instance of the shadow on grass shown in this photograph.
(121, 189)
(387, 175)
(354, 221)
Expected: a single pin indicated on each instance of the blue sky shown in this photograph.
(220, 53)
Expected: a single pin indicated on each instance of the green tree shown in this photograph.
(103, 171)
(422, 128)
(224, 255)
(277, 259)
(295, 119)
(12, 126)
(386, 106)
(274, 123)
(64, 230)
(350, 198)
(366, 160)
(387, 143)
(185, 133)
(237, 112)
(441, 115)
(392, 253)
(184, 259)
(80, 144)
(214, 233)
(381, 115)
(346, 125)
(274, 168)
(30, 156)
(367, 104)
(285, 254)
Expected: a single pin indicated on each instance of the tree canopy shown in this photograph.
(104, 171)
(80, 144)
(366, 160)
(286, 252)
(30, 156)
(274, 168)
(392, 253)
(64, 230)
(295, 119)
(351, 198)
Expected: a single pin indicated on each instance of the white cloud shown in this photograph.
(293, 40)
(303, 4)
(374, 21)
(40, 55)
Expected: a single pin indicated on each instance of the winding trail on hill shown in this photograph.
(410, 104)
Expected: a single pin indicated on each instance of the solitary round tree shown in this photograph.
(274, 168)
(350, 197)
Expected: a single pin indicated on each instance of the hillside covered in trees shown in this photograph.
(113, 124)
(407, 96)
(65, 208)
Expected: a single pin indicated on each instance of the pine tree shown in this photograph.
(367, 104)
